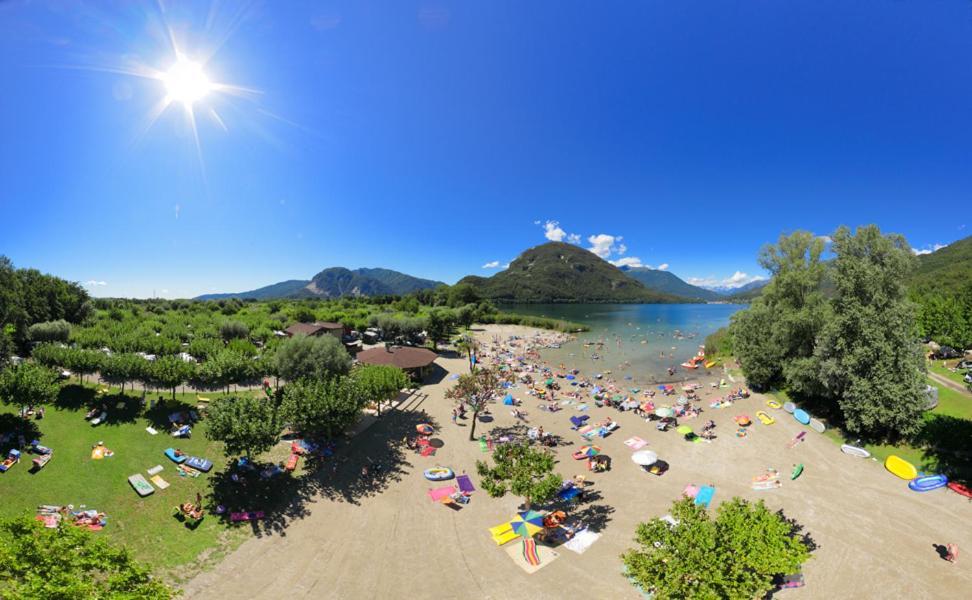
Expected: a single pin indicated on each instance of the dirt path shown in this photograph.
(874, 536)
(958, 387)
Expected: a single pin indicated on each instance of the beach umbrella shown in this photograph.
(589, 451)
(664, 412)
(424, 428)
(644, 458)
(550, 381)
(527, 523)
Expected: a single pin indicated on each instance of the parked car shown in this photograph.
(964, 364)
(946, 353)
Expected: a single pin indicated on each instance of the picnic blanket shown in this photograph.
(530, 553)
(581, 541)
(545, 556)
(465, 484)
(437, 494)
(704, 497)
(635, 443)
(159, 482)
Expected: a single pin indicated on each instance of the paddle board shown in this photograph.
(773, 404)
(900, 467)
(855, 451)
(958, 488)
(817, 426)
(801, 416)
(797, 471)
(926, 483)
(789, 407)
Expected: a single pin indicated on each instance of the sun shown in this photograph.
(186, 82)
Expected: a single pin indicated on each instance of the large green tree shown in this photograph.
(325, 407)
(69, 563)
(870, 357)
(379, 383)
(28, 384)
(735, 555)
(247, 425)
(475, 389)
(169, 372)
(522, 470)
(315, 357)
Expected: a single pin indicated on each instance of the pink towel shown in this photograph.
(438, 494)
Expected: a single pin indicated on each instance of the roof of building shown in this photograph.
(403, 357)
(312, 328)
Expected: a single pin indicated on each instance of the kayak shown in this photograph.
(926, 483)
(797, 471)
(710, 364)
(855, 451)
(789, 407)
(773, 404)
(958, 488)
(801, 416)
(900, 467)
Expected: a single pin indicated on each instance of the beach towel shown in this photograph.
(500, 529)
(142, 487)
(635, 443)
(238, 517)
(465, 484)
(691, 490)
(482, 445)
(151, 430)
(155, 470)
(581, 541)
(159, 482)
(704, 497)
(99, 452)
(437, 494)
(585, 429)
(545, 555)
(49, 521)
(568, 494)
(428, 451)
(582, 407)
(199, 464)
(578, 420)
(530, 553)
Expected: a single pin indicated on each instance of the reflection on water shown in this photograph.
(638, 340)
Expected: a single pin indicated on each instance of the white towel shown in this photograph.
(151, 430)
(155, 469)
(581, 541)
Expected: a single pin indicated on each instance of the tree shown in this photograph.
(169, 372)
(475, 389)
(247, 425)
(28, 384)
(438, 324)
(521, 470)
(321, 406)
(52, 331)
(378, 383)
(119, 369)
(468, 346)
(735, 555)
(312, 356)
(870, 357)
(83, 362)
(37, 563)
(233, 330)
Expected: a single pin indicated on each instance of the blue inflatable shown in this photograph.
(801, 415)
(926, 483)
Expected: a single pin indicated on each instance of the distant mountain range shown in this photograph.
(560, 272)
(669, 283)
(336, 282)
(947, 270)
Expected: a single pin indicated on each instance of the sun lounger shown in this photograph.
(465, 484)
(505, 538)
(171, 453)
(184, 431)
(41, 461)
(239, 517)
(199, 464)
(101, 418)
(142, 487)
(292, 462)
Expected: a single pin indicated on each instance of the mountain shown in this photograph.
(747, 292)
(336, 282)
(669, 283)
(560, 272)
(947, 270)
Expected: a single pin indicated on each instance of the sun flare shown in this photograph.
(186, 82)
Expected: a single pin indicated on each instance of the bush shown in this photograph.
(315, 357)
(233, 330)
(52, 331)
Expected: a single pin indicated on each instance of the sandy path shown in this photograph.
(874, 535)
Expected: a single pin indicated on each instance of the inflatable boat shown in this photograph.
(438, 473)
(817, 426)
(926, 483)
(900, 467)
(855, 451)
(789, 407)
(773, 404)
(958, 488)
(801, 416)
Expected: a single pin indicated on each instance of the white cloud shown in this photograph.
(628, 261)
(553, 232)
(826, 239)
(506, 266)
(663, 267)
(736, 280)
(93, 283)
(622, 248)
(603, 244)
(178, 209)
(491, 264)
(573, 238)
(928, 249)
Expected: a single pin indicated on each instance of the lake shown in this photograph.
(638, 340)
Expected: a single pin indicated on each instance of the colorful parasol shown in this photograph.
(528, 523)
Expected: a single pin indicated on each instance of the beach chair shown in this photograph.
(292, 462)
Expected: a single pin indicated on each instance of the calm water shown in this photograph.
(637, 340)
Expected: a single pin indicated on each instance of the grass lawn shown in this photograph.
(947, 430)
(935, 366)
(145, 525)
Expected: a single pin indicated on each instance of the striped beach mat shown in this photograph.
(530, 552)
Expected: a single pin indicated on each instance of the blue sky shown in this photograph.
(437, 137)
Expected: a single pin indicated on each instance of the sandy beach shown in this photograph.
(874, 537)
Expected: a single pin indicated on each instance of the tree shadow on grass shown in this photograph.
(945, 440)
(158, 415)
(75, 397)
(12, 427)
(381, 449)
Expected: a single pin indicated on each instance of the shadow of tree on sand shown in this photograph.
(361, 466)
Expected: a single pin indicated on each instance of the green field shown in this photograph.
(145, 525)
(935, 366)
